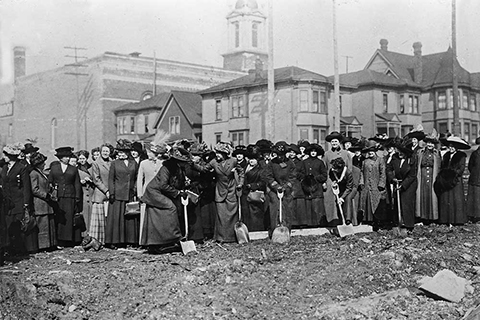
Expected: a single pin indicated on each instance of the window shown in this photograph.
(147, 95)
(239, 138)
(466, 131)
(402, 104)
(465, 101)
(323, 136)
(255, 34)
(316, 135)
(451, 100)
(53, 133)
(122, 125)
(174, 125)
(146, 123)
(237, 34)
(474, 131)
(442, 100)
(385, 102)
(410, 104)
(132, 125)
(10, 130)
(218, 137)
(218, 110)
(303, 132)
(341, 105)
(415, 104)
(315, 101)
(303, 100)
(442, 127)
(473, 102)
(323, 102)
(238, 108)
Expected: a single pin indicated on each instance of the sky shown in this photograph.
(195, 30)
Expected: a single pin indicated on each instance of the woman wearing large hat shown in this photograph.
(449, 183)
(66, 179)
(43, 205)
(15, 183)
(163, 226)
(122, 229)
(428, 165)
(335, 139)
(473, 198)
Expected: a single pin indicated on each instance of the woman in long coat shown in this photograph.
(279, 175)
(43, 205)
(451, 191)
(87, 185)
(299, 212)
(66, 180)
(230, 178)
(428, 166)
(161, 230)
(372, 184)
(339, 176)
(473, 198)
(313, 174)
(15, 183)
(122, 229)
(253, 212)
(100, 172)
(352, 201)
(401, 171)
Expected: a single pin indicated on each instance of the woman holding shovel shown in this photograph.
(340, 176)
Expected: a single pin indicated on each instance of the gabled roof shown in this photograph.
(351, 120)
(370, 77)
(190, 104)
(388, 117)
(280, 75)
(155, 102)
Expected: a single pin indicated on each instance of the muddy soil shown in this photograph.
(366, 276)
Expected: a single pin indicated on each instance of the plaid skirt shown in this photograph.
(97, 222)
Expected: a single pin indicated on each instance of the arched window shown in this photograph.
(53, 133)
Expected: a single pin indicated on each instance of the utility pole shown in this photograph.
(270, 127)
(456, 111)
(346, 64)
(77, 74)
(336, 85)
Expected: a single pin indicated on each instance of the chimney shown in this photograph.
(417, 62)
(19, 62)
(384, 44)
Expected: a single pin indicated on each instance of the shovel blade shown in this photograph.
(345, 230)
(188, 246)
(281, 235)
(241, 231)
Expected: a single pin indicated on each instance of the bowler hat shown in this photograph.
(64, 152)
(29, 148)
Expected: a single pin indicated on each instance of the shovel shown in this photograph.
(187, 245)
(281, 234)
(399, 230)
(343, 229)
(241, 230)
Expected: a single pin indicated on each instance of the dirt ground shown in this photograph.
(365, 276)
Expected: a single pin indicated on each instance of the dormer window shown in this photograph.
(147, 95)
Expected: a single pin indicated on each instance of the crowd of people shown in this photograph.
(131, 194)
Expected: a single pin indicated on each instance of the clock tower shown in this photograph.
(246, 37)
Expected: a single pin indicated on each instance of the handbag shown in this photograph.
(132, 208)
(256, 196)
(79, 222)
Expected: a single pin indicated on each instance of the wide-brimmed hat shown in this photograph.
(381, 138)
(293, 147)
(352, 140)
(29, 148)
(370, 145)
(315, 147)
(13, 149)
(280, 148)
(477, 141)
(223, 147)
(157, 149)
(334, 135)
(432, 137)
(416, 133)
(303, 143)
(64, 152)
(199, 149)
(180, 154)
(405, 149)
(358, 146)
(37, 158)
(458, 143)
(124, 145)
(264, 145)
(137, 146)
(253, 154)
(239, 150)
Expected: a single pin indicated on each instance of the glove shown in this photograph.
(111, 199)
(381, 188)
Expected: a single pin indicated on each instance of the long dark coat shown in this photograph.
(69, 201)
(473, 198)
(254, 212)
(428, 166)
(345, 184)
(404, 171)
(452, 201)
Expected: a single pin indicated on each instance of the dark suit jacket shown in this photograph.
(16, 188)
(122, 179)
(68, 182)
(40, 188)
(254, 178)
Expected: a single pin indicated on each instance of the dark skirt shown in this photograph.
(161, 226)
(426, 195)
(208, 213)
(195, 226)
(274, 206)
(452, 206)
(299, 209)
(253, 214)
(315, 211)
(473, 202)
(47, 237)
(66, 232)
(227, 216)
(121, 229)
